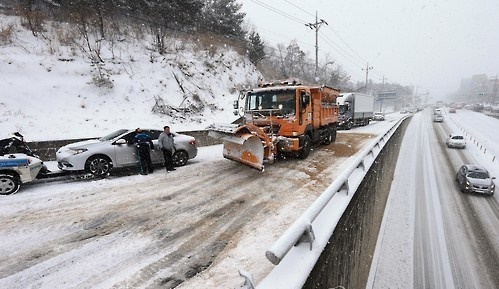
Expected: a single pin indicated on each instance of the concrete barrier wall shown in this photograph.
(347, 258)
(46, 149)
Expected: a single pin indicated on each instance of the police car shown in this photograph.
(17, 169)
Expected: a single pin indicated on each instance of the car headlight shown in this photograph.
(78, 151)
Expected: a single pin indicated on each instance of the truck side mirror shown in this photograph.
(305, 100)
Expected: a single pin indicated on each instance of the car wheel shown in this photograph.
(459, 183)
(98, 166)
(180, 158)
(305, 147)
(462, 188)
(9, 184)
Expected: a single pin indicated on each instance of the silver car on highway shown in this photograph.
(475, 179)
(115, 150)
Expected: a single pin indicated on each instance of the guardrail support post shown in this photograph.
(248, 280)
(308, 236)
(345, 186)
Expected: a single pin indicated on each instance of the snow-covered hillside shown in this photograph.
(44, 84)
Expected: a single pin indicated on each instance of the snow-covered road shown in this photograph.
(159, 230)
(433, 235)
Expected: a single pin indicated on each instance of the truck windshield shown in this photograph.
(272, 99)
(343, 108)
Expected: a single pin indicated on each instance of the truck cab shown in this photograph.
(279, 119)
(355, 109)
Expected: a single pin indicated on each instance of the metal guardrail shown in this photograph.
(302, 230)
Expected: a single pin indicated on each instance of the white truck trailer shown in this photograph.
(355, 109)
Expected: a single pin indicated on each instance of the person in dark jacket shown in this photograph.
(167, 146)
(144, 146)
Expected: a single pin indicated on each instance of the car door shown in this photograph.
(156, 154)
(125, 151)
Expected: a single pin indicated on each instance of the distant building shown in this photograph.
(493, 87)
(479, 89)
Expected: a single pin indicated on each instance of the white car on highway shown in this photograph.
(438, 118)
(115, 150)
(456, 141)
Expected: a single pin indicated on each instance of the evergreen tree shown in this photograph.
(222, 17)
(256, 48)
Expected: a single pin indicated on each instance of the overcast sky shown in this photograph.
(429, 43)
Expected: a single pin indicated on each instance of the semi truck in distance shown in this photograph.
(279, 120)
(355, 109)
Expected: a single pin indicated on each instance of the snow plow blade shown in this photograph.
(246, 149)
(241, 144)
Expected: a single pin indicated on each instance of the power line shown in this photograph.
(353, 57)
(311, 14)
(347, 45)
(354, 72)
(342, 40)
(278, 11)
(302, 43)
(340, 51)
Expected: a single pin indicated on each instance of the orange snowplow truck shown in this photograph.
(279, 121)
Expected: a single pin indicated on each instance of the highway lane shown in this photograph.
(450, 237)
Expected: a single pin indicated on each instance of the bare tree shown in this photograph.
(30, 11)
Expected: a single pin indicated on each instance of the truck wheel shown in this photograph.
(328, 137)
(333, 134)
(350, 125)
(9, 184)
(98, 166)
(306, 146)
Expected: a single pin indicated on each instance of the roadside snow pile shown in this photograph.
(54, 91)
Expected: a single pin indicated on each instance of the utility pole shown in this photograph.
(367, 72)
(316, 26)
(382, 89)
